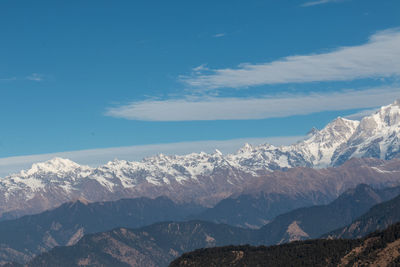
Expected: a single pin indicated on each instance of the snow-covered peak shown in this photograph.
(116, 164)
(336, 131)
(377, 136)
(339, 125)
(389, 115)
(55, 165)
(159, 158)
(320, 145)
(217, 153)
(312, 132)
(247, 148)
(387, 118)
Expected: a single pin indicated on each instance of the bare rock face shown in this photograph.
(208, 178)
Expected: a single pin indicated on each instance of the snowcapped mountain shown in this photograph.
(377, 136)
(200, 177)
(320, 146)
(315, 151)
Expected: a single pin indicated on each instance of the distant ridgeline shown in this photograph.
(161, 243)
(377, 249)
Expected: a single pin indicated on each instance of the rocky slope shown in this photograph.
(155, 245)
(378, 249)
(377, 218)
(312, 222)
(159, 244)
(200, 177)
(279, 192)
(256, 210)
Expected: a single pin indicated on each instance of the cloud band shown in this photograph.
(379, 57)
(252, 108)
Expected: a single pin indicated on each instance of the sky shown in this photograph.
(168, 76)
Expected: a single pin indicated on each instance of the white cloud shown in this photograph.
(379, 57)
(219, 35)
(35, 77)
(320, 2)
(214, 108)
(8, 79)
(200, 68)
(96, 157)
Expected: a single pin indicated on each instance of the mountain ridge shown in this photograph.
(377, 218)
(23, 238)
(201, 177)
(377, 249)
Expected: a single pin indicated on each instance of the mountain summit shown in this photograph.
(377, 136)
(54, 165)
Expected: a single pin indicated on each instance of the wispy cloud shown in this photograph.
(219, 35)
(214, 108)
(8, 79)
(96, 157)
(35, 77)
(199, 69)
(379, 57)
(320, 2)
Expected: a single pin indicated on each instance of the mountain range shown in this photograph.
(201, 177)
(154, 245)
(25, 237)
(312, 222)
(278, 192)
(157, 244)
(160, 243)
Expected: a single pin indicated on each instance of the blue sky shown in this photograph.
(78, 75)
